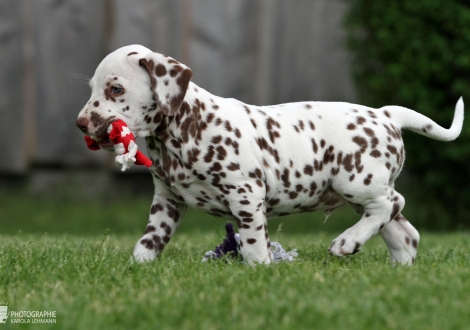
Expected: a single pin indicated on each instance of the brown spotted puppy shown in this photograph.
(250, 163)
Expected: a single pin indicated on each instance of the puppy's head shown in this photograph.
(136, 85)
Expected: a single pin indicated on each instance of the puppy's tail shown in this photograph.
(416, 122)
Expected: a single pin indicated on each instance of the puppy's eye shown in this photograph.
(116, 90)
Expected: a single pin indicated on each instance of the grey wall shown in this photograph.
(259, 51)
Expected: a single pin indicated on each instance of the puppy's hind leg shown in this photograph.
(402, 240)
(378, 212)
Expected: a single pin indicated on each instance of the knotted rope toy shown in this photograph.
(230, 247)
(124, 146)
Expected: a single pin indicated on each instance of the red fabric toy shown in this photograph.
(124, 146)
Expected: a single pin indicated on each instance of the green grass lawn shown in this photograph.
(90, 283)
(86, 275)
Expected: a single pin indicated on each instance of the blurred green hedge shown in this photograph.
(417, 54)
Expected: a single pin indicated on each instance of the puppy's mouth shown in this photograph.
(102, 135)
(106, 143)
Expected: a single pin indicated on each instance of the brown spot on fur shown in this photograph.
(149, 229)
(395, 210)
(216, 167)
(293, 195)
(370, 132)
(314, 146)
(157, 240)
(285, 178)
(368, 179)
(313, 189)
(166, 228)
(335, 171)
(209, 118)
(393, 132)
(360, 120)
(233, 167)
(375, 153)
(394, 151)
(245, 214)
(374, 142)
(318, 165)
(372, 114)
(329, 155)
(427, 128)
(216, 139)
(193, 155)
(308, 169)
(348, 162)
(221, 153)
(274, 201)
(160, 70)
(357, 162)
(148, 243)
(265, 163)
(209, 155)
(361, 142)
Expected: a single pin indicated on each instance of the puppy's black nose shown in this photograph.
(82, 124)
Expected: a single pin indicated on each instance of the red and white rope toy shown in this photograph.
(124, 146)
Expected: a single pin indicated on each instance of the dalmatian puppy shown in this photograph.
(251, 163)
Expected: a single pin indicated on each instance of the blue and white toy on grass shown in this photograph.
(230, 247)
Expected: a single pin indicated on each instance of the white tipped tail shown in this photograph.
(416, 122)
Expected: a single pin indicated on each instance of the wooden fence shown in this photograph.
(259, 51)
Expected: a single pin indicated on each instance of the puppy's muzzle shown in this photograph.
(82, 124)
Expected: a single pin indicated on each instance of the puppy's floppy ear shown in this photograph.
(169, 80)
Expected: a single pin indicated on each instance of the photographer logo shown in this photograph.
(25, 316)
(3, 313)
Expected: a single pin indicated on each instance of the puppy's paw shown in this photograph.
(142, 254)
(343, 246)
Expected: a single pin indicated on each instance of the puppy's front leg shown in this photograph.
(165, 217)
(252, 226)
